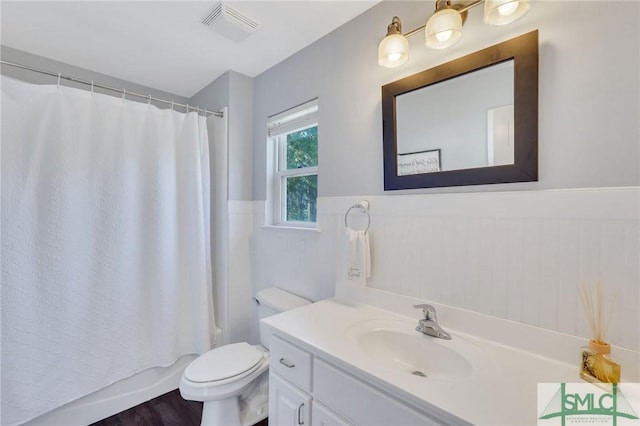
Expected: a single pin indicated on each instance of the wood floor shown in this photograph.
(166, 410)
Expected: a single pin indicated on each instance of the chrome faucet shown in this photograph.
(429, 325)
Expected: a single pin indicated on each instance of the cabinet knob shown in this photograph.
(300, 421)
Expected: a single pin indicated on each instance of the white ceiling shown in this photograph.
(162, 44)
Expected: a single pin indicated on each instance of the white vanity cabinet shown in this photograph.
(305, 389)
(324, 416)
(289, 384)
(288, 405)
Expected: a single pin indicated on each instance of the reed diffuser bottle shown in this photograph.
(597, 365)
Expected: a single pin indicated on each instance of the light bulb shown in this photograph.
(393, 51)
(502, 12)
(443, 29)
(507, 8)
(444, 35)
(394, 57)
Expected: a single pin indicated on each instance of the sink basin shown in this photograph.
(396, 345)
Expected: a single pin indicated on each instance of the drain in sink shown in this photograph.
(418, 373)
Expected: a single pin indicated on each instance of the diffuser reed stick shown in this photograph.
(596, 366)
(594, 310)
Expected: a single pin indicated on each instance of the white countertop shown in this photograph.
(501, 389)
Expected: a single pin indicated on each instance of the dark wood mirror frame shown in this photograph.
(524, 52)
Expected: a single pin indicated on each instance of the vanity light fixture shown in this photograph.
(393, 50)
(444, 28)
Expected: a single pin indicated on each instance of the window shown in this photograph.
(293, 166)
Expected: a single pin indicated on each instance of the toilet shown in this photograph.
(232, 380)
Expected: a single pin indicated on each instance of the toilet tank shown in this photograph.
(272, 301)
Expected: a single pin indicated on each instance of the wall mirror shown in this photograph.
(471, 121)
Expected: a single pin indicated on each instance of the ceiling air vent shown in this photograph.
(230, 23)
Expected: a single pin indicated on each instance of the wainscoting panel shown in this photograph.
(514, 255)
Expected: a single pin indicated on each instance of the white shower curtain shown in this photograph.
(105, 243)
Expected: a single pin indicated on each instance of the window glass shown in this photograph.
(302, 148)
(302, 195)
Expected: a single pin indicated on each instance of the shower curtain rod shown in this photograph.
(114, 89)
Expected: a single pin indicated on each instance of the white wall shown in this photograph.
(515, 255)
(478, 251)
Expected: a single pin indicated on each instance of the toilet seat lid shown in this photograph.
(223, 362)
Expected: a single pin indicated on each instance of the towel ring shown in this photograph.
(363, 207)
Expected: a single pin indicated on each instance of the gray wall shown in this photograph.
(20, 57)
(588, 94)
(234, 90)
(215, 95)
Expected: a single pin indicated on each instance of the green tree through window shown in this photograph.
(302, 191)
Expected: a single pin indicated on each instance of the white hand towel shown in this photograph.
(359, 261)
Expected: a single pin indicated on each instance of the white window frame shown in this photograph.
(279, 126)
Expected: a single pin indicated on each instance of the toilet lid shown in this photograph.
(223, 362)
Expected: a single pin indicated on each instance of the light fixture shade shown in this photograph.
(443, 29)
(393, 51)
(502, 12)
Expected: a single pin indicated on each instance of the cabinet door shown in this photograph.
(288, 405)
(324, 416)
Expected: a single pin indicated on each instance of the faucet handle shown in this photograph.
(428, 311)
